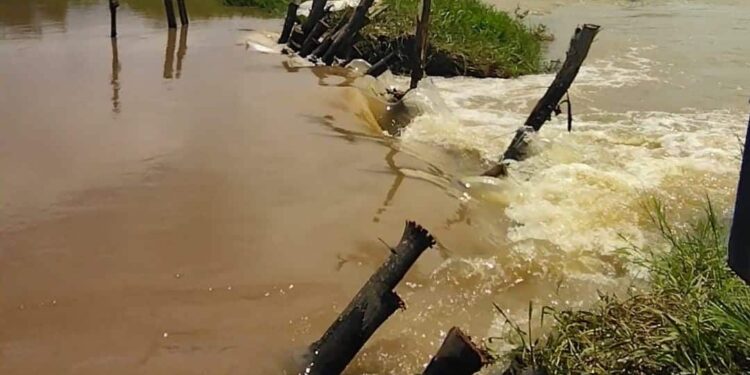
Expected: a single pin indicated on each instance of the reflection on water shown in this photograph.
(169, 71)
(115, 81)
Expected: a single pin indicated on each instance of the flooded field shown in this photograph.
(177, 203)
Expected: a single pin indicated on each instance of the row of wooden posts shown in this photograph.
(168, 7)
(324, 43)
(376, 301)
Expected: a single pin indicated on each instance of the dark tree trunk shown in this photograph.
(289, 21)
(420, 44)
(372, 305)
(579, 49)
(457, 356)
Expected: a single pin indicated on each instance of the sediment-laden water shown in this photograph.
(183, 204)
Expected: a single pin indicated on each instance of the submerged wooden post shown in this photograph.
(372, 305)
(289, 21)
(420, 43)
(577, 52)
(458, 355)
(184, 21)
(169, 9)
(113, 4)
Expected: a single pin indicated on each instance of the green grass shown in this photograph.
(468, 37)
(276, 8)
(693, 319)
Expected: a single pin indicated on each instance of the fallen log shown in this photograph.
(542, 112)
(458, 355)
(420, 43)
(289, 21)
(372, 305)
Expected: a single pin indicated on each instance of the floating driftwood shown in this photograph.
(579, 49)
(458, 355)
(420, 43)
(372, 305)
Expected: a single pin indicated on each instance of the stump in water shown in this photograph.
(579, 49)
(289, 21)
(420, 44)
(458, 355)
(372, 305)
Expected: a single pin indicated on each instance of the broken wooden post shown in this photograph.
(577, 52)
(381, 66)
(184, 21)
(344, 36)
(458, 355)
(289, 21)
(169, 9)
(372, 305)
(420, 43)
(113, 4)
(317, 11)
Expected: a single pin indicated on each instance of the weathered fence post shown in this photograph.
(184, 21)
(113, 4)
(289, 21)
(420, 43)
(579, 49)
(739, 236)
(169, 9)
(458, 355)
(372, 305)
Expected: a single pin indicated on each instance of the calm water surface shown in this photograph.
(177, 203)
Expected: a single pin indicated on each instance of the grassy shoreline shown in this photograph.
(693, 319)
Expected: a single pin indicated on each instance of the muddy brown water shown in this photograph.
(175, 203)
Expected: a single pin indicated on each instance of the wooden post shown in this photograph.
(739, 236)
(317, 11)
(169, 9)
(113, 4)
(328, 36)
(347, 33)
(457, 356)
(420, 43)
(312, 38)
(577, 52)
(372, 305)
(289, 21)
(184, 21)
(381, 66)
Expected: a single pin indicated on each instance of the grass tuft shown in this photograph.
(694, 319)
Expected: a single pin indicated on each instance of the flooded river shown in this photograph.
(175, 203)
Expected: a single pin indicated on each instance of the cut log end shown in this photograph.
(417, 235)
(458, 355)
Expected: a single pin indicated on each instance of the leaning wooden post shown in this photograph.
(420, 43)
(381, 66)
(317, 11)
(312, 38)
(579, 49)
(458, 355)
(289, 21)
(184, 21)
(346, 34)
(169, 9)
(113, 4)
(372, 305)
